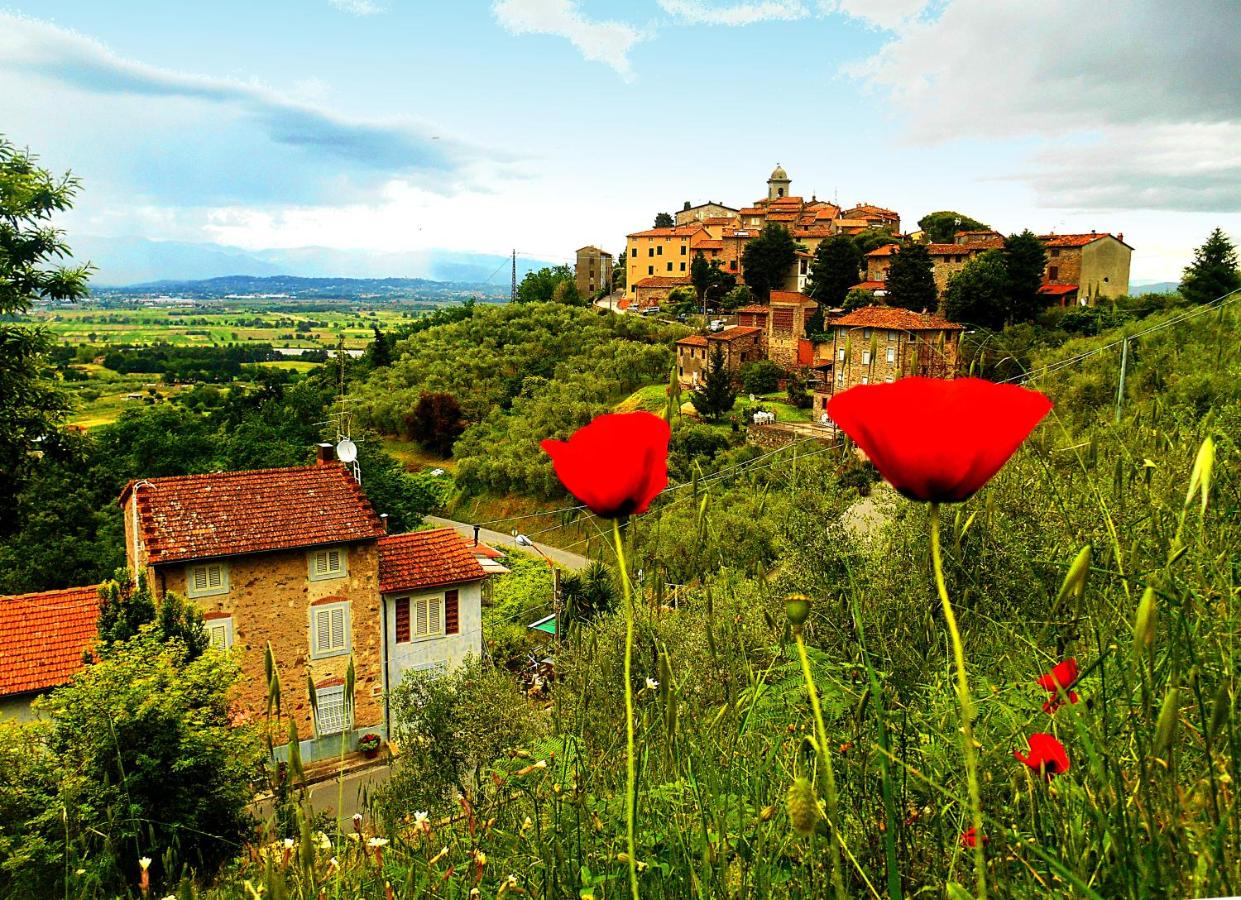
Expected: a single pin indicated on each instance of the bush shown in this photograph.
(761, 377)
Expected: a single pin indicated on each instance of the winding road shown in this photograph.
(500, 539)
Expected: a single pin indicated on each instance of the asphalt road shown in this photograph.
(500, 539)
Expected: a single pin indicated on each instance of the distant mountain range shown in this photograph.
(132, 260)
(1158, 287)
(295, 286)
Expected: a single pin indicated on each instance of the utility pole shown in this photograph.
(1120, 390)
(513, 291)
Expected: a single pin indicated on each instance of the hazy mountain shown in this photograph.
(134, 260)
(1156, 287)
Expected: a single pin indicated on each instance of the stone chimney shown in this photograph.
(324, 453)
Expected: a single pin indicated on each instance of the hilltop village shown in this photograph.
(834, 336)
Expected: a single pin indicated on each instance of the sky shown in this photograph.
(381, 127)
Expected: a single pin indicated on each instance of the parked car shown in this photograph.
(651, 311)
(716, 325)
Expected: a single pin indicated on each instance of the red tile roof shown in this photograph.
(885, 250)
(236, 513)
(782, 217)
(731, 334)
(1057, 290)
(870, 286)
(706, 243)
(43, 636)
(675, 231)
(658, 281)
(1076, 240)
(792, 297)
(867, 209)
(754, 308)
(895, 318)
(954, 249)
(693, 340)
(753, 211)
(425, 559)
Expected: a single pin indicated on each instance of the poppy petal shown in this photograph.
(616, 465)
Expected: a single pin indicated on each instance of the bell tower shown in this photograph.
(778, 183)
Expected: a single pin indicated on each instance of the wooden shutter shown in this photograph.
(402, 620)
(200, 578)
(320, 563)
(435, 615)
(338, 628)
(215, 576)
(323, 630)
(420, 616)
(452, 623)
(333, 560)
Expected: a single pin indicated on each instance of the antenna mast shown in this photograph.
(346, 449)
(513, 292)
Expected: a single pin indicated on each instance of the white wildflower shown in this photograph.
(145, 862)
(377, 842)
(651, 684)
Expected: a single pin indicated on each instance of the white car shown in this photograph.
(716, 325)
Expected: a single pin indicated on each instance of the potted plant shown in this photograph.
(369, 745)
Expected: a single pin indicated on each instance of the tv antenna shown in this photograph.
(346, 449)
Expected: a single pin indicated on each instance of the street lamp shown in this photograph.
(523, 541)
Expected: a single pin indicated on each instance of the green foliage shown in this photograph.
(762, 376)
(873, 238)
(694, 445)
(737, 297)
(588, 594)
(716, 395)
(136, 758)
(451, 728)
(682, 301)
(710, 281)
(979, 293)
(942, 227)
(1213, 273)
(126, 609)
(1025, 260)
(523, 595)
(664, 220)
(435, 422)
(857, 299)
(911, 280)
(555, 283)
(380, 350)
(837, 266)
(31, 404)
(767, 260)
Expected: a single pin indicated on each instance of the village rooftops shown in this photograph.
(792, 298)
(43, 637)
(895, 318)
(728, 334)
(1079, 240)
(675, 231)
(591, 248)
(885, 250)
(237, 513)
(661, 281)
(426, 559)
(756, 309)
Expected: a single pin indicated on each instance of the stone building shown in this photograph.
(654, 290)
(786, 326)
(593, 271)
(1084, 268)
(703, 212)
(741, 344)
(43, 640)
(883, 343)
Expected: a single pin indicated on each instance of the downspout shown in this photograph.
(383, 663)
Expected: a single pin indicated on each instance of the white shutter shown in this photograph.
(866, 357)
(320, 563)
(891, 354)
(200, 578)
(323, 630)
(420, 625)
(219, 636)
(333, 560)
(338, 628)
(215, 577)
(435, 624)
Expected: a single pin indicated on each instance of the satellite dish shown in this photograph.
(347, 451)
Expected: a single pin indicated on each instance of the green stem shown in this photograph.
(967, 709)
(825, 760)
(632, 774)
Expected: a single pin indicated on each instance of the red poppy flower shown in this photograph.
(1047, 755)
(969, 838)
(935, 440)
(1061, 678)
(616, 465)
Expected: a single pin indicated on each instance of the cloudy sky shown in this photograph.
(410, 125)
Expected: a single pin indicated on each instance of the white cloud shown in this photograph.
(703, 12)
(887, 14)
(358, 7)
(1142, 100)
(597, 41)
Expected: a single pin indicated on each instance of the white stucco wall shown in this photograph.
(449, 650)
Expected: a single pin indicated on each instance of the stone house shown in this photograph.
(1084, 268)
(593, 271)
(43, 640)
(654, 290)
(741, 344)
(883, 343)
(704, 211)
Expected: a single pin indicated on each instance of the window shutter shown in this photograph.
(420, 625)
(219, 636)
(435, 611)
(338, 628)
(320, 563)
(200, 578)
(452, 624)
(402, 620)
(323, 630)
(215, 576)
(333, 560)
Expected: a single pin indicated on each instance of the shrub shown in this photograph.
(761, 377)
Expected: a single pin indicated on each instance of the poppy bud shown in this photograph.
(797, 608)
(802, 806)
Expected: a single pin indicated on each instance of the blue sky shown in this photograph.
(414, 127)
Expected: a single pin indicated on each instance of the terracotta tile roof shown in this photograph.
(1057, 290)
(43, 636)
(787, 201)
(754, 308)
(591, 248)
(885, 250)
(870, 286)
(852, 223)
(719, 220)
(699, 241)
(692, 340)
(753, 211)
(425, 559)
(1076, 240)
(984, 231)
(708, 203)
(675, 231)
(235, 513)
(658, 281)
(895, 318)
(792, 297)
(955, 249)
(812, 231)
(867, 209)
(731, 334)
(782, 217)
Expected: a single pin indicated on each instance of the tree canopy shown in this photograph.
(1213, 272)
(664, 220)
(717, 394)
(911, 279)
(942, 227)
(549, 283)
(768, 258)
(978, 294)
(837, 266)
(1025, 260)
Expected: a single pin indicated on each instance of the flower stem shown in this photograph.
(631, 775)
(825, 760)
(967, 708)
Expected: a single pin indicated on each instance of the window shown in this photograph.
(331, 703)
(840, 377)
(418, 618)
(1053, 273)
(633, 252)
(683, 248)
(329, 629)
(669, 267)
(840, 354)
(682, 267)
(891, 335)
(866, 357)
(206, 580)
(660, 250)
(865, 380)
(219, 631)
(866, 334)
(650, 270)
(650, 251)
(891, 354)
(325, 564)
(1055, 253)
